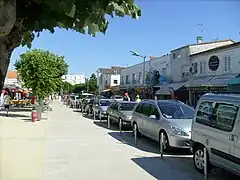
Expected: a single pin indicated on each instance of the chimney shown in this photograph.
(199, 39)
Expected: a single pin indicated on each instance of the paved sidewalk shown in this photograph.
(21, 146)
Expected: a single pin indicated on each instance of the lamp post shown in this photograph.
(144, 63)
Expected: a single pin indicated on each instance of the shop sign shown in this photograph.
(209, 88)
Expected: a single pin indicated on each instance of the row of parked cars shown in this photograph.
(214, 125)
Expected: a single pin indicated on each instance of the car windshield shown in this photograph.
(176, 110)
(118, 97)
(127, 106)
(105, 103)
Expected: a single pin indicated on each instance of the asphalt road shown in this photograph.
(79, 148)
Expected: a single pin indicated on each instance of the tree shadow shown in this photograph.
(12, 115)
(144, 144)
(104, 124)
(176, 167)
(21, 109)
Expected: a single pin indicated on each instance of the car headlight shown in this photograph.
(129, 117)
(178, 131)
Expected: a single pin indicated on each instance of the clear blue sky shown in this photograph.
(164, 25)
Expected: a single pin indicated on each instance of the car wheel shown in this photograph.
(166, 145)
(198, 159)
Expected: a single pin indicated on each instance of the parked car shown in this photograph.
(100, 107)
(172, 118)
(86, 97)
(216, 126)
(121, 110)
(74, 100)
(88, 105)
(117, 97)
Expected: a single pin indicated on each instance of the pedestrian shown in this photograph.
(6, 102)
(126, 97)
(138, 99)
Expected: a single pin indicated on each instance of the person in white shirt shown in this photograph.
(6, 102)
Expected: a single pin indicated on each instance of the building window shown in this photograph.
(174, 55)
(106, 82)
(127, 79)
(227, 63)
(115, 81)
(202, 67)
(122, 82)
(140, 77)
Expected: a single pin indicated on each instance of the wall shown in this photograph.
(181, 63)
(156, 64)
(115, 77)
(233, 53)
(74, 78)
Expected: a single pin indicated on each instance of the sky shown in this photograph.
(163, 26)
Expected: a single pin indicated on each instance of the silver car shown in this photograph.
(100, 107)
(121, 111)
(171, 118)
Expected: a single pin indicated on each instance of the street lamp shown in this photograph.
(134, 53)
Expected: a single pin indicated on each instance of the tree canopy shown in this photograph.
(21, 18)
(92, 84)
(41, 71)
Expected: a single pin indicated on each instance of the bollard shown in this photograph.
(161, 144)
(94, 115)
(135, 133)
(100, 116)
(108, 120)
(205, 164)
(120, 126)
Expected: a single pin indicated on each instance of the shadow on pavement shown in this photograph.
(12, 115)
(180, 168)
(20, 109)
(103, 124)
(144, 143)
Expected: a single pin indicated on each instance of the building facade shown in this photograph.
(181, 65)
(107, 78)
(214, 70)
(12, 80)
(132, 76)
(74, 78)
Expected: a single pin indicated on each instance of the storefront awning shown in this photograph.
(199, 81)
(234, 81)
(221, 80)
(166, 89)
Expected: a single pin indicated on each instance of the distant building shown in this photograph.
(12, 79)
(74, 78)
(108, 78)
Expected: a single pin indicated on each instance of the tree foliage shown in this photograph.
(92, 84)
(41, 71)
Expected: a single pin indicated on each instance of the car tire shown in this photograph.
(166, 146)
(198, 158)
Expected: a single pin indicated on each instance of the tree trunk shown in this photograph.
(10, 36)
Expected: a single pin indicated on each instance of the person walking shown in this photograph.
(138, 99)
(6, 102)
(126, 97)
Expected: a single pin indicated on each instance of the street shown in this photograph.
(78, 148)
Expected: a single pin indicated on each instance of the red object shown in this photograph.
(33, 100)
(34, 116)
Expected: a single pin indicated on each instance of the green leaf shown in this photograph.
(69, 8)
(92, 29)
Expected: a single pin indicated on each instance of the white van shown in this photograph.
(216, 126)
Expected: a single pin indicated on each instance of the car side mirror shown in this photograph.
(152, 117)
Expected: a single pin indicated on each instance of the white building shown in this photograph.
(181, 65)
(12, 79)
(132, 76)
(74, 78)
(108, 78)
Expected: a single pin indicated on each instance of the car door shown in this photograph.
(145, 119)
(152, 124)
(112, 111)
(215, 131)
(137, 116)
(237, 143)
(115, 114)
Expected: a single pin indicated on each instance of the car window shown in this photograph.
(154, 111)
(139, 108)
(176, 110)
(114, 106)
(224, 116)
(127, 106)
(217, 115)
(104, 103)
(146, 109)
